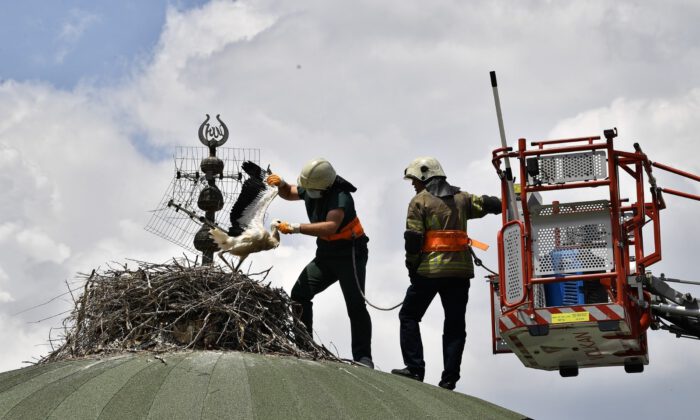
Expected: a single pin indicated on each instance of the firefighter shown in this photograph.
(439, 262)
(341, 253)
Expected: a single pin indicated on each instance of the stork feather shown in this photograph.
(247, 233)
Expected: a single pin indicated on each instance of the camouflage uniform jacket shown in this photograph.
(428, 212)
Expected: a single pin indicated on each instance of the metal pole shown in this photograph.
(512, 204)
(680, 281)
(211, 199)
(675, 171)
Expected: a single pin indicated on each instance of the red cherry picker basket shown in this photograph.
(573, 289)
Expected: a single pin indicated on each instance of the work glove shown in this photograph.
(275, 181)
(412, 263)
(413, 274)
(491, 204)
(413, 242)
(287, 228)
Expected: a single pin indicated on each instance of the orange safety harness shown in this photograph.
(450, 241)
(349, 231)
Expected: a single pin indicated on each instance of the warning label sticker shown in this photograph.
(570, 317)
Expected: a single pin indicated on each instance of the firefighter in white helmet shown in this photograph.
(340, 237)
(439, 261)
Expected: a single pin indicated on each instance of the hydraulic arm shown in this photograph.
(676, 312)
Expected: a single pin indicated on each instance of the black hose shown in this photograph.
(357, 282)
(477, 261)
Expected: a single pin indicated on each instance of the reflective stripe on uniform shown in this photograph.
(415, 225)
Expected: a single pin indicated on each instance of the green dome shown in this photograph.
(230, 385)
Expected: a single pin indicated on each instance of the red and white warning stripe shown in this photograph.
(521, 318)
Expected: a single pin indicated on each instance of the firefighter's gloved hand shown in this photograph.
(275, 181)
(491, 204)
(287, 228)
(413, 276)
(413, 242)
(412, 263)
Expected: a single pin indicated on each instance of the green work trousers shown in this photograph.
(322, 272)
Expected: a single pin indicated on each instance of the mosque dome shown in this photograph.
(225, 385)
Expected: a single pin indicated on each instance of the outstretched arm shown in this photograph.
(289, 192)
(325, 228)
(286, 191)
(481, 205)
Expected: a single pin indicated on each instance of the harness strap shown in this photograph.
(450, 241)
(351, 230)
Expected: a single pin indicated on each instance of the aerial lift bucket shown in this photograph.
(563, 299)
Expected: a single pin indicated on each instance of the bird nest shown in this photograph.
(178, 306)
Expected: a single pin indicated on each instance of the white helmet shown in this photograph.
(423, 168)
(317, 174)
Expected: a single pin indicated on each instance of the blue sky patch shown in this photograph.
(66, 42)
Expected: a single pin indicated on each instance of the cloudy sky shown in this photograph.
(94, 96)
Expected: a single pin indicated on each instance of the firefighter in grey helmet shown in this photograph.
(439, 261)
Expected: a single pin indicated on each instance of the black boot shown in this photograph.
(365, 361)
(447, 384)
(408, 373)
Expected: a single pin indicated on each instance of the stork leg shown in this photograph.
(221, 255)
(240, 261)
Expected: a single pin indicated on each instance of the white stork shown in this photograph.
(247, 233)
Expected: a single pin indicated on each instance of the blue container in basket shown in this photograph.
(568, 292)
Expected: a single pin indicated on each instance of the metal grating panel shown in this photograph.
(572, 238)
(570, 208)
(559, 169)
(184, 189)
(513, 253)
(539, 296)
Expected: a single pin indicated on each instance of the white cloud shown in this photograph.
(663, 126)
(27, 190)
(72, 30)
(17, 338)
(42, 247)
(75, 27)
(6, 229)
(4, 296)
(175, 80)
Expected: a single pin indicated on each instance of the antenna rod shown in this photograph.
(512, 205)
(194, 216)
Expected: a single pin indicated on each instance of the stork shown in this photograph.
(247, 233)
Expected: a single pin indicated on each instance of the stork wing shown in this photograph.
(220, 237)
(249, 209)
